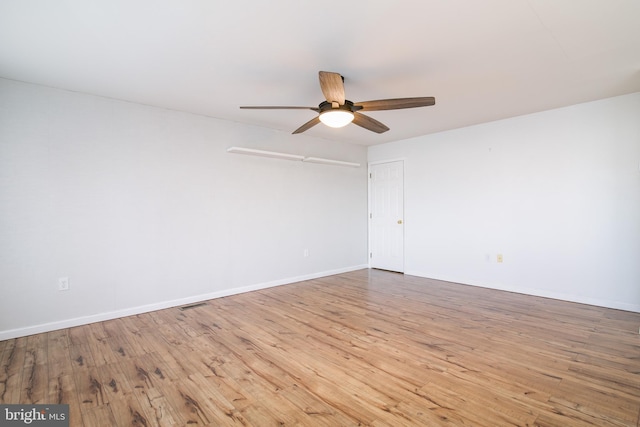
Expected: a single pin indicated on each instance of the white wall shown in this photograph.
(143, 208)
(557, 193)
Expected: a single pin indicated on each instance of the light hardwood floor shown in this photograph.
(362, 348)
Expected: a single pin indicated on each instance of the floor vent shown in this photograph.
(187, 307)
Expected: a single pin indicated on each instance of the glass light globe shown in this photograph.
(336, 118)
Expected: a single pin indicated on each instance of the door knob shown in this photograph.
(399, 221)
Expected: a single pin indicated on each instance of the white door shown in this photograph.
(387, 216)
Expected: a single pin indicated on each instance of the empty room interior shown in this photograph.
(186, 238)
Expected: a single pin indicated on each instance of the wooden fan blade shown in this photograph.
(332, 87)
(396, 104)
(311, 123)
(274, 107)
(368, 123)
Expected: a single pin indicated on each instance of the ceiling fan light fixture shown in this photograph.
(336, 118)
(337, 111)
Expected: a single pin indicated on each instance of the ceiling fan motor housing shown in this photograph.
(347, 106)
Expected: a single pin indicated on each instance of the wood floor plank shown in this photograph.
(160, 409)
(97, 416)
(6, 360)
(362, 348)
(12, 370)
(127, 411)
(35, 375)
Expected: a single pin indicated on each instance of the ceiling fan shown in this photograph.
(337, 111)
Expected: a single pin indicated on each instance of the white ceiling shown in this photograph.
(483, 60)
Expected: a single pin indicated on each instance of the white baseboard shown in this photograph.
(618, 305)
(132, 311)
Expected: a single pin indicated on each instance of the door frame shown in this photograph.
(404, 214)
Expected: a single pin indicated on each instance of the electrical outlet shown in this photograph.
(63, 284)
(305, 253)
